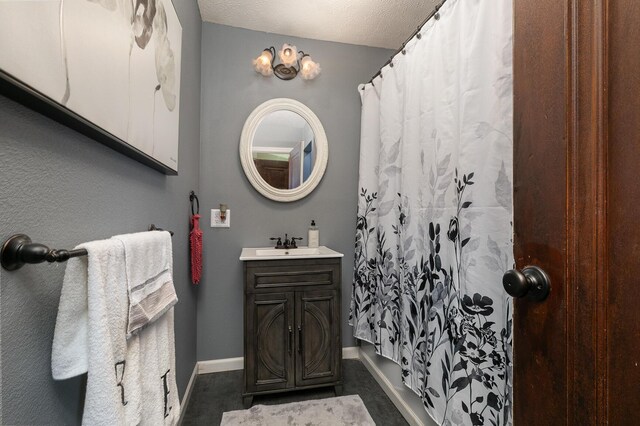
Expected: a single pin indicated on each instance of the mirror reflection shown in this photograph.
(284, 149)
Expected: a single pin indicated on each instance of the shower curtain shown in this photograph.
(434, 225)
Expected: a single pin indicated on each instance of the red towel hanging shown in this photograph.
(195, 238)
(195, 241)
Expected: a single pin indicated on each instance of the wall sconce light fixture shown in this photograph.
(292, 62)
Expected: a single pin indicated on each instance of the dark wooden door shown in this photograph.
(576, 198)
(622, 250)
(275, 173)
(318, 338)
(270, 341)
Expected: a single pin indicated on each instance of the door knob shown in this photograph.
(532, 282)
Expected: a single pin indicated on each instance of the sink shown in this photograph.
(300, 251)
(267, 253)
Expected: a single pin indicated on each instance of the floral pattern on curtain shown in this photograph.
(434, 225)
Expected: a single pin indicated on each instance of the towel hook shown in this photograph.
(192, 196)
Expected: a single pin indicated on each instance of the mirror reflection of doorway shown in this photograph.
(308, 160)
(275, 172)
(295, 166)
(283, 150)
(286, 170)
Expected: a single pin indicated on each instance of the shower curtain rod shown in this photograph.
(19, 249)
(415, 33)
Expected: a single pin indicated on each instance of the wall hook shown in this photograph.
(193, 196)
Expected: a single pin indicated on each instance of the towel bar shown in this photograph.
(19, 249)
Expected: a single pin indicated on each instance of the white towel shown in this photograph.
(149, 267)
(161, 403)
(127, 382)
(90, 335)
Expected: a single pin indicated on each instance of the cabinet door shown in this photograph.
(317, 337)
(270, 347)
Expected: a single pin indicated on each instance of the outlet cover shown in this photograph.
(216, 222)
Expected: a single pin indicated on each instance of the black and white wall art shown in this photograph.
(109, 68)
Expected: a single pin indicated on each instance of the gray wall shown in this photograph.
(231, 89)
(62, 189)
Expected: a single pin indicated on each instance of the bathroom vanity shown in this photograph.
(292, 337)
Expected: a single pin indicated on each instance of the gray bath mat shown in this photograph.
(343, 410)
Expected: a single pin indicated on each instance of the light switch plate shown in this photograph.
(216, 222)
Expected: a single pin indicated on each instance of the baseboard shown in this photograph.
(218, 365)
(351, 352)
(410, 416)
(187, 393)
(231, 364)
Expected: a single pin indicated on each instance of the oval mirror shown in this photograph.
(283, 150)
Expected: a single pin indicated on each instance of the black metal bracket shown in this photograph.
(152, 227)
(282, 71)
(19, 249)
(193, 197)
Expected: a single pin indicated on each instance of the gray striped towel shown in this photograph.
(149, 270)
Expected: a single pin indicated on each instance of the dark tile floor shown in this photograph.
(213, 394)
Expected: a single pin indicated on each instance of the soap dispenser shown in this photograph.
(314, 235)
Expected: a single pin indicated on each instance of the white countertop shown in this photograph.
(302, 252)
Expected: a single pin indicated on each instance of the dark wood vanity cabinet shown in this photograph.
(292, 336)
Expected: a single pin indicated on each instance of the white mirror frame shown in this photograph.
(246, 156)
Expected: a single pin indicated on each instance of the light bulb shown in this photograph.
(306, 62)
(288, 55)
(308, 68)
(262, 63)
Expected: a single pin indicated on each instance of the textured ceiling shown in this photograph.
(378, 23)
